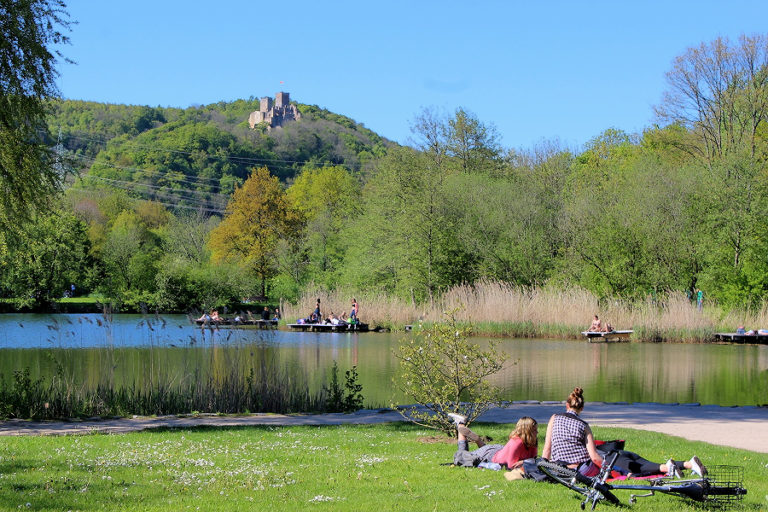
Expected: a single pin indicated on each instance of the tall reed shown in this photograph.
(496, 308)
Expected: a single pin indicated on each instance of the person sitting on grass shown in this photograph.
(522, 444)
(569, 441)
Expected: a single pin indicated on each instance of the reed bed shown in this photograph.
(273, 391)
(499, 309)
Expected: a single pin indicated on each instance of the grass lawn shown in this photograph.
(368, 467)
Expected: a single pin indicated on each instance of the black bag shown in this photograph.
(533, 472)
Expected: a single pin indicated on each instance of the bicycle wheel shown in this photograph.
(575, 481)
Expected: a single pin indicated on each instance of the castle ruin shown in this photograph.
(274, 114)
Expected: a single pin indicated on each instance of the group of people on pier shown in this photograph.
(316, 317)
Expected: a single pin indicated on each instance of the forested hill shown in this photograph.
(202, 152)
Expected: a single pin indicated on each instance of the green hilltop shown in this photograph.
(151, 151)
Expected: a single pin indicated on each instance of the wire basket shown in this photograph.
(725, 485)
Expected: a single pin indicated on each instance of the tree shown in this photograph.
(473, 144)
(52, 253)
(445, 373)
(327, 199)
(28, 175)
(399, 238)
(131, 255)
(718, 91)
(258, 216)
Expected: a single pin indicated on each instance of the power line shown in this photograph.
(236, 159)
(194, 180)
(159, 189)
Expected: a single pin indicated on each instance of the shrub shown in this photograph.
(445, 373)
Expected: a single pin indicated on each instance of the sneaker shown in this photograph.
(672, 471)
(457, 418)
(697, 467)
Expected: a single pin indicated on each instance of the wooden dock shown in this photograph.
(734, 337)
(344, 327)
(607, 337)
(230, 322)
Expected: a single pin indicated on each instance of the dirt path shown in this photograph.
(739, 427)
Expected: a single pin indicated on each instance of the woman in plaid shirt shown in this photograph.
(569, 439)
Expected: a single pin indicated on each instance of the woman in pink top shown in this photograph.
(522, 444)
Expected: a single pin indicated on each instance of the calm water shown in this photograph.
(131, 348)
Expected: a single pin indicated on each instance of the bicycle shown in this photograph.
(722, 486)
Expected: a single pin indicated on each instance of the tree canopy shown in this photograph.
(29, 32)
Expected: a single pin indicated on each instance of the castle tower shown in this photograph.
(265, 104)
(282, 99)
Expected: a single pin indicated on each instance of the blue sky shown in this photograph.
(564, 70)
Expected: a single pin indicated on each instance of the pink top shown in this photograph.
(513, 452)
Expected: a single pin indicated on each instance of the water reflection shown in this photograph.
(132, 350)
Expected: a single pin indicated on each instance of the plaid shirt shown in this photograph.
(569, 439)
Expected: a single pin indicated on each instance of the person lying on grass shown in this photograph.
(522, 444)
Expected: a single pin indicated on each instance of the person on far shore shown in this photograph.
(265, 313)
(316, 312)
(277, 314)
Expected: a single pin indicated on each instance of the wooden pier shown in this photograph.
(734, 337)
(344, 327)
(229, 322)
(607, 337)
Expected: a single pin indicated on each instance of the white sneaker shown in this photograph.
(457, 418)
(697, 467)
(672, 471)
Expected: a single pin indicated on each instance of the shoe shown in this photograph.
(672, 471)
(457, 418)
(697, 467)
(471, 436)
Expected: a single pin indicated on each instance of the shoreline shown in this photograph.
(744, 427)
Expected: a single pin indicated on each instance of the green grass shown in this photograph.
(381, 467)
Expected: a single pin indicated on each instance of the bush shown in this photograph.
(445, 373)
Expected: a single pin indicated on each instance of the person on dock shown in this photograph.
(522, 444)
(277, 316)
(596, 325)
(354, 312)
(318, 316)
(265, 314)
(215, 318)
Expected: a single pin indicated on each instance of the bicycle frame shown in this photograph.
(722, 486)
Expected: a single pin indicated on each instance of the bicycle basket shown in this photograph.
(726, 485)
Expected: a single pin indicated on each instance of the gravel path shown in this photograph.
(739, 427)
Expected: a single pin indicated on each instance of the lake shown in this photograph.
(126, 349)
